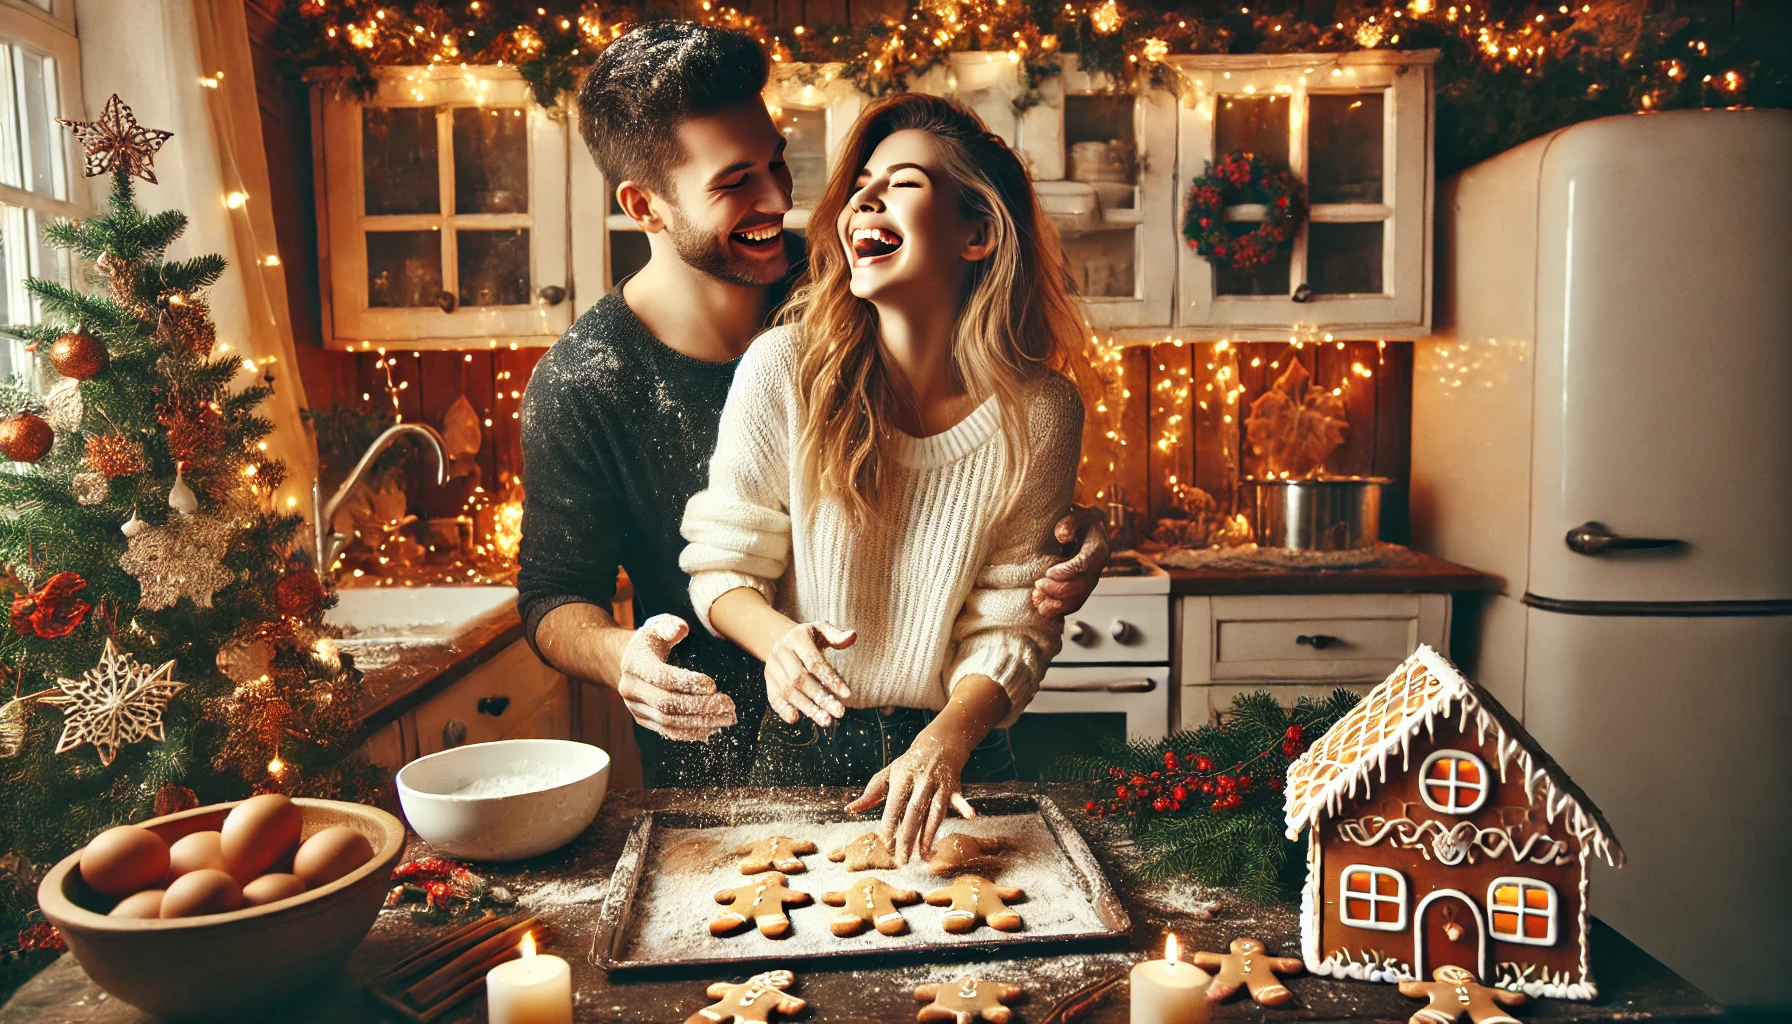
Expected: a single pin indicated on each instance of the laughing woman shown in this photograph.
(890, 465)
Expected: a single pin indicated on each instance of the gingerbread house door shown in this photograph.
(1447, 929)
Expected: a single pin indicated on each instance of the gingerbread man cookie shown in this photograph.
(960, 852)
(1248, 966)
(1454, 993)
(773, 853)
(760, 901)
(868, 851)
(965, 1000)
(751, 1003)
(870, 901)
(972, 897)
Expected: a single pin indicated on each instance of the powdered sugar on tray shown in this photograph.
(669, 923)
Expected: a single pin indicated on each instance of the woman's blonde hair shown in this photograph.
(1015, 321)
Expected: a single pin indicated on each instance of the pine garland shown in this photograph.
(1207, 803)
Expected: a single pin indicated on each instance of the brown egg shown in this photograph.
(272, 888)
(330, 854)
(121, 860)
(206, 891)
(258, 832)
(147, 903)
(196, 852)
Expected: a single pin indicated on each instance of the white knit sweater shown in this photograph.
(938, 589)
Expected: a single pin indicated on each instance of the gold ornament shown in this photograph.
(246, 661)
(15, 718)
(116, 143)
(187, 323)
(118, 701)
(182, 558)
(89, 488)
(114, 455)
(63, 407)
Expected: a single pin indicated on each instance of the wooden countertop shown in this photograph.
(1422, 574)
(568, 887)
(400, 675)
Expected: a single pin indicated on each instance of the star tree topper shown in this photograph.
(118, 701)
(117, 143)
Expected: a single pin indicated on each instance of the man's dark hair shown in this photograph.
(643, 84)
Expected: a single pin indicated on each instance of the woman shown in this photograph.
(890, 465)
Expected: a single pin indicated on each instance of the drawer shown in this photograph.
(1322, 638)
(486, 703)
(1244, 641)
(1118, 627)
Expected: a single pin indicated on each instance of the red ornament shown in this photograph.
(52, 611)
(25, 437)
(299, 594)
(1180, 793)
(78, 355)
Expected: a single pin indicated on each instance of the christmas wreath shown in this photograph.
(1238, 178)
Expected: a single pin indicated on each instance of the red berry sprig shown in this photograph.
(1184, 777)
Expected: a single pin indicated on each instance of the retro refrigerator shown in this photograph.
(1604, 422)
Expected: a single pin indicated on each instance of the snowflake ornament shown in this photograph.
(117, 143)
(182, 558)
(118, 701)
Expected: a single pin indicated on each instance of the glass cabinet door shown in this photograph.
(446, 208)
(1356, 128)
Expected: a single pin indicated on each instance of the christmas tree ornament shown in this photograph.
(181, 497)
(25, 437)
(299, 594)
(63, 407)
(133, 526)
(116, 143)
(53, 610)
(245, 661)
(116, 702)
(114, 455)
(186, 323)
(78, 355)
(182, 558)
(89, 488)
(15, 720)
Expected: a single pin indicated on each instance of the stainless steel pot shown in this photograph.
(1328, 514)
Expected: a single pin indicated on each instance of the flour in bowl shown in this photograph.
(521, 777)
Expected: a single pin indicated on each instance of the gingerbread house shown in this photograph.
(1441, 833)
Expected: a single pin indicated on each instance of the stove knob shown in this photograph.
(1123, 632)
(1082, 634)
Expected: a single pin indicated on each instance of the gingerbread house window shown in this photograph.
(1522, 910)
(1373, 898)
(1453, 782)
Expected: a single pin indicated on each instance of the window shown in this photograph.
(1453, 782)
(1373, 898)
(38, 75)
(1522, 910)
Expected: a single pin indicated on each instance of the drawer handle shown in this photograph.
(493, 706)
(454, 733)
(1318, 641)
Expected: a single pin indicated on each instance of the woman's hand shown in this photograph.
(799, 681)
(916, 790)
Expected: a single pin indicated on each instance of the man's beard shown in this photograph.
(709, 253)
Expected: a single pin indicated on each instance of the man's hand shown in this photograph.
(1083, 535)
(676, 703)
(917, 790)
(798, 679)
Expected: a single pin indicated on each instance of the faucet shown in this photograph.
(329, 543)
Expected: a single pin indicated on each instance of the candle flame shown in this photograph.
(527, 946)
(1171, 949)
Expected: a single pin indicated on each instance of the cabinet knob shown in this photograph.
(1082, 634)
(493, 706)
(551, 295)
(1123, 632)
(1318, 641)
(447, 300)
(454, 733)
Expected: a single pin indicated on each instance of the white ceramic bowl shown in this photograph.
(504, 800)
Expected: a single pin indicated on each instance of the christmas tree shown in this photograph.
(164, 647)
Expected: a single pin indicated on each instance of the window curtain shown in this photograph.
(158, 56)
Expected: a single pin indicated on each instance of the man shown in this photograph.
(621, 415)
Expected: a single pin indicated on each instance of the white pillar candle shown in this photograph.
(1168, 991)
(532, 990)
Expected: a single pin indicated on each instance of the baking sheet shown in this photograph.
(661, 897)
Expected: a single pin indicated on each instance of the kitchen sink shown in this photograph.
(421, 614)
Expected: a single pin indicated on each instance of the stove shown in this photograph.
(1116, 655)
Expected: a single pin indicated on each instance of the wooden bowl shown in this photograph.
(221, 965)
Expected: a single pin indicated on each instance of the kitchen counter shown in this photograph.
(1417, 573)
(401, 675)
(567, 887)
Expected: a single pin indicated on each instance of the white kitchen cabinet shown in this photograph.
(1358, 129)
(442, 205)
(1297, 646)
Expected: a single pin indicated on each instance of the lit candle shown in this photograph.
(1169, 991)
(532, 990)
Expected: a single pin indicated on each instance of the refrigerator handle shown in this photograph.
(1595, 539)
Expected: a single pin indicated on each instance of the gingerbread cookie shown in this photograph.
(959, 852)
(870, 901)
(760, 901)
(1248, 966)
(778, 853)
(864, 853)
(965, 1000)
(973, 897)
(751, 1003)
(1454, 993)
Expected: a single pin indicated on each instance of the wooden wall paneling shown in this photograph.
(480, 388)
(1134, 456)
(1213, 451)
(1393, 437)
(1254, 379)
(1169, 452)
(1332, 371)
(440, 374)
